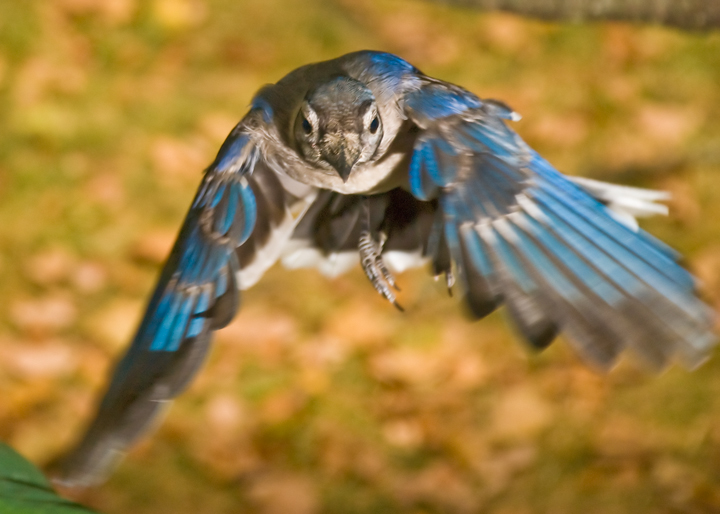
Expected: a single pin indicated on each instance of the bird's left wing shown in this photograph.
(522, 234)
(196, 294)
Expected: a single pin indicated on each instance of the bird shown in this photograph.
(364, 158)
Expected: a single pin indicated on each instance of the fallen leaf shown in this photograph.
(520, 413)
(403, 433)
(668, 124)
(684, 202)
(175, 159)
(281, 406)
(105, 189)
(89, 277)
(40, 76)
(405, 365)
(506, 32)
(47, 359)
(224, 414)
(217, 125)
(44, 315)
(623, 436)
(439, 484)
(565, 130)
(50, 266)
(154, 246)
(179, 14)
(257, 325)
(498, 469)
(419, 38)
(282, 493)
(115, 323)
(359, 325)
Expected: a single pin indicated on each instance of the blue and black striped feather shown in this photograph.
(196, 294)
(522, 234)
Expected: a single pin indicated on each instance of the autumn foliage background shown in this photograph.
(320, 397)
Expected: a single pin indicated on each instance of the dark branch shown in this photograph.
(684, 14)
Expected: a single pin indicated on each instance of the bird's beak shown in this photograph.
(343, 159)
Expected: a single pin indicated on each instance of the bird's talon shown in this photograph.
(380, 263)
(374, 267)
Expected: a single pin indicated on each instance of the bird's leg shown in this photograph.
(371, 258)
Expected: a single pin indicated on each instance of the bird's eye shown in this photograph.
(374, 125)
(307, 128)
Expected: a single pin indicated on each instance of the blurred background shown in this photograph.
(320, 397)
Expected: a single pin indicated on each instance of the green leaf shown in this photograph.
(25, 490)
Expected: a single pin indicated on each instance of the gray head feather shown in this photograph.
(338, 126)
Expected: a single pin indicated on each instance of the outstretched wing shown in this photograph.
(522, 234)
(197, 293)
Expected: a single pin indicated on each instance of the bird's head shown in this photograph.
(338, 124)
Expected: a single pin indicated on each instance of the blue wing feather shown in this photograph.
(180, 324)
(494, 139)
(228, 207)
(250, 214)
(221, 284)
(440, 101)
(622, 254)
(515, 268)
(196, 294)
(645, 246)
(421, 183)
(518, 228)
(570, 256)
(432, 164)
(478, 255)
(163, 338)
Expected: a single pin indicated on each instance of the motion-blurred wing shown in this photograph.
(521, 233)
(197, 293)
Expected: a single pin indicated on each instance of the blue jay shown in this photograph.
(366, 158)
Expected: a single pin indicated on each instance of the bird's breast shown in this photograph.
(367, 178)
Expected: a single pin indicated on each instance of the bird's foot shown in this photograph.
(375, 269)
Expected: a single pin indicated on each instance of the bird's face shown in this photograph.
(338, 126)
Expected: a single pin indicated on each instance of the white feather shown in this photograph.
(267, 255)
(302, 256)
(625, 203)
(398, 261)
